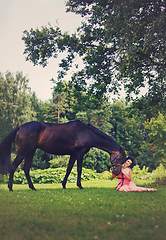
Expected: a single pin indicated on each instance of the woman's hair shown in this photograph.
(133, 162)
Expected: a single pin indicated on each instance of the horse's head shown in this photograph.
(117, 158)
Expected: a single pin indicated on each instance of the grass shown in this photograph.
(96, 212)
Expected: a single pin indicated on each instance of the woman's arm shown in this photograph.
(129, 177)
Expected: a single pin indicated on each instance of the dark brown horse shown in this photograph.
(74, 138)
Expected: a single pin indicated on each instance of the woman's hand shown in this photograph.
(129, 177)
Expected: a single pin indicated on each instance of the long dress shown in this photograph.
(128, 185)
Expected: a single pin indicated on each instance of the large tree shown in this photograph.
(120, 41)
(60, 109)
(15, 102)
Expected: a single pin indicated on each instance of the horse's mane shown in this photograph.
(100, 133)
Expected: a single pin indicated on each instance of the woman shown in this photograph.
(125, 182)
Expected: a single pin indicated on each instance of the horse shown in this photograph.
(73, 138)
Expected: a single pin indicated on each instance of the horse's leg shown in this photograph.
(27, 165)
(79, 171)
(68, 171)
(15, 164)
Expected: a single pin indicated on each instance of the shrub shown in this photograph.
(41, 160)
(1, 178)
(141, 173)
(55, 175)
(106, 175)
(160, 173)
(59, 161)
(96, 159)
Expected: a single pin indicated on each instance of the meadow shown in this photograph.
(96, 212)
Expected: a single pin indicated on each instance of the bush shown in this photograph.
(1, 178)
(54, 175)
(143, 173)
(59, 161)
(96, 159)
(160, 173)
(41, 160)
(106, 175)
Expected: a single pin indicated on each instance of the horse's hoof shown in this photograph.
(63, 185)
(10, 189)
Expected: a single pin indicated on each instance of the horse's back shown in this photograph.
(53, 138)
(63, 138)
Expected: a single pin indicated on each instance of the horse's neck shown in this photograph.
(107, 145)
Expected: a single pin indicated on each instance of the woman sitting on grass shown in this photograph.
(125, 182)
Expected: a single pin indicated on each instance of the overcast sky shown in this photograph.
(19, 15)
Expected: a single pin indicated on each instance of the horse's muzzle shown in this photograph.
(116, 170)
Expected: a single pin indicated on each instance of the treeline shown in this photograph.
(143, 135)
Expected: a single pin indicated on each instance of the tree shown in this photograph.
(63, 101)
(119, 41)
(146, 156)
(41, 108)
(157, 137)
(127, 128)
(69, 103)
(15, 102)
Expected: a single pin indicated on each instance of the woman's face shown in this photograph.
(128, 163)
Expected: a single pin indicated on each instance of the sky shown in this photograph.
(19, 15)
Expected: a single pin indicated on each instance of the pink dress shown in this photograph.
(128, 185)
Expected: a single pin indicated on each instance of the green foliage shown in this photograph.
(159, 173)
(41, 108)
(1, 178)
(96, 159)
(146, 156)
(118, 41)
(127, 128)
(157, 136)
(59, 161)
(54, 175)
(61, 105)
(45, 40)
(15, 102)
(41, 160)
(106, 175)
(143, 173)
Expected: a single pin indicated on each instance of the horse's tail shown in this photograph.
(5, 151)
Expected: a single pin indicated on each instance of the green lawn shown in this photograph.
(96, 212)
